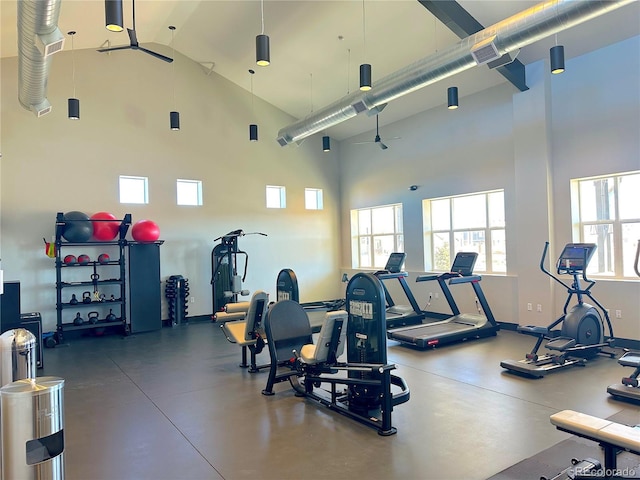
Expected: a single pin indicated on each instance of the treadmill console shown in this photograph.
(395, 262)
(463, 263)
(575, 258)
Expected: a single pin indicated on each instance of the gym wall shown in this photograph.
(54, 164)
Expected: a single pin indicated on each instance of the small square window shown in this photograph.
(189, 192)
(313, 198)
(276, 197)
(134, 189)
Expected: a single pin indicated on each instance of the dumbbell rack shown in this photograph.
(93, 281)
(176, 292)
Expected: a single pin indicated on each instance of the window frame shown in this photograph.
(319, 205)
(197, 183)
(145, 186)
(491, 230)
(357, 236)
(617, 240)
(282, 196)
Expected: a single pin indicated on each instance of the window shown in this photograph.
(606, 212)
(375, 234)
(466, 223)
(313, 198)
(189, 192)
(276, 197)
(134, 189)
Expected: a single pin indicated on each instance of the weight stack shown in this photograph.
(176, 292)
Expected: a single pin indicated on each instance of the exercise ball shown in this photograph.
(77, 227)
(103, 258)
(104, 230)
(83, 259)
(70, 260)
(145, 231)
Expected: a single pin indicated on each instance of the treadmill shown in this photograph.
(399, 315)
(459, 326)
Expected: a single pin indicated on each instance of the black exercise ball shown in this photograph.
(77, 227)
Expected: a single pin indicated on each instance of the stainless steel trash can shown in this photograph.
(33, 429)
(17, 355)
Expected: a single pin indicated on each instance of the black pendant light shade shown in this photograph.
(253, 132)
(113, 15)
(74, 109)
(556, 55)
(174, 120)
(262, 50)
(365, 77)
(452, 98)
(326, 144)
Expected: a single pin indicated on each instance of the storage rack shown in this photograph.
(93, 282)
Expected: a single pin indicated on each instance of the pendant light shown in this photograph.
(113, 15)
(556, 56)
(452, 98)
(174, 116)
(263, 57)
(73, 103)
(253, 128)
(326, 143)
(365, 68)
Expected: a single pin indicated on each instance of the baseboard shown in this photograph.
(194, 319)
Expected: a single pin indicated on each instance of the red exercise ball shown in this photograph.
(145, 231)
(105, 231)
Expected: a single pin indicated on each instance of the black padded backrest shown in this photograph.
(255, 315)
(287, 328)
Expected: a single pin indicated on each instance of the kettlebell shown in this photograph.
(78, 320)
(111, 316)
(73, 300)
(86, 297)
(93, 317)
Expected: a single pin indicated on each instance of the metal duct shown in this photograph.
(38, 38)
(524, 28)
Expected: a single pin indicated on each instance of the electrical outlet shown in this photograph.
(539, 307)
(193, 299)
(529, 307)
(618, 313)
(437, 295)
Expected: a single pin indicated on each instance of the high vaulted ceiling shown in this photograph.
(311, 66)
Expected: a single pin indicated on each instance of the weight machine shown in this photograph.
(226, 283)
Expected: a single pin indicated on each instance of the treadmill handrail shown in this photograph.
(467, 279)
(387, 275)
(430, 277)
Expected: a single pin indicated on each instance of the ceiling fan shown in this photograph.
(377, 140)
(133, 41)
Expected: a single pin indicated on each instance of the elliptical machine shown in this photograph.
(581, 336)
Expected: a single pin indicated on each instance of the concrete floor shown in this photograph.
(173, 404)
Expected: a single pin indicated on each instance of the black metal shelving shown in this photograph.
(93, 285)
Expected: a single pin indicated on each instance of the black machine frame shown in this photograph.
(367, 395)
(226, 284)
(582, 333)
(439, 329)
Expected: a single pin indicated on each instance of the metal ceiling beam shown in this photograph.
(460, 22)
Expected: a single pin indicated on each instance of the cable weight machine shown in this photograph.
(226, 282)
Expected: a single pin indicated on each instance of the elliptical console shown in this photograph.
(581, 336)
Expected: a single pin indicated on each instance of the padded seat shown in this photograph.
(248, 332)
(604, 431)
(335, 324)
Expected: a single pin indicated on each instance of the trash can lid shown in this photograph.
(33, 386)
(17, 339)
